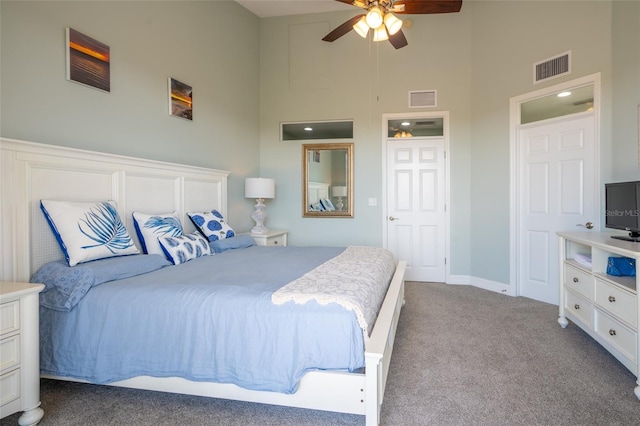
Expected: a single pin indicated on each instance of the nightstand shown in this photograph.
(271, 238)
(20, 351)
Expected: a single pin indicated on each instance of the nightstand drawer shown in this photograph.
(276, 241)
(9, 387)
(617, 301)
(9, 317)
(9, 352)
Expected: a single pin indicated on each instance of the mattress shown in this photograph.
(210, 319)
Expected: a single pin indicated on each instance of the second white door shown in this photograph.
(416, 195)
(557, 192)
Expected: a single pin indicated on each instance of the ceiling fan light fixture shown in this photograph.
(361, 27)
(393, 23)
(374, 17)
(380, 33)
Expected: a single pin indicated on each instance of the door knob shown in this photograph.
(391, 218)
(588, 225)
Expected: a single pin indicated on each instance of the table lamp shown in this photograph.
(259, 188)
(339, 191)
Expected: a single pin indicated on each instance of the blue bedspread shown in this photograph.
(210, 319)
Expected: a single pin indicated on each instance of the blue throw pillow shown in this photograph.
(150, 227)
(239, 241)
(212, 225)
(184, 248)
(88, 231)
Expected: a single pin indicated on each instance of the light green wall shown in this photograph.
(508, 38)
(477, 60)
(149, 42)
(365, 81)
(626, 92)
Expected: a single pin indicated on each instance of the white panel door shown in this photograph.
(556, 192)
(416, 206)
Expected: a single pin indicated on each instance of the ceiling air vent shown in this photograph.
(552, 67)
(422, 98)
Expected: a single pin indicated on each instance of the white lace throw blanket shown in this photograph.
(356, 279)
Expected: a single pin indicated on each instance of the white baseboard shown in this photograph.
(482, 283)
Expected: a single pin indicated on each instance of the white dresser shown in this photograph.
(20, 351)
(271, 238)
(606, 307)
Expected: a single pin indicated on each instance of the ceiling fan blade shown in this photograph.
(424, 7)
(342, 29)
(398, 40)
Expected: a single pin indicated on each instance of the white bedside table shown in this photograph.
(271, 238)
(20, 353)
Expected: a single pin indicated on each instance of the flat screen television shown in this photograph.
(623, 208)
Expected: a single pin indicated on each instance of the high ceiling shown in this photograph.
(269, 8)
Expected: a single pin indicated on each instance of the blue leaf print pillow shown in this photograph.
(88, 231)
(185, 247)
(212, 225)
(150, 227)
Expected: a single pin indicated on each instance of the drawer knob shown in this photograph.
(612, 332)
(275, 243)
(612, 299)
(576, 306)
(575, 279)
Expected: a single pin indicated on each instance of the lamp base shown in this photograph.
(259, 215)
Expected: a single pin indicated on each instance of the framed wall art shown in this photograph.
(88, 61)
(180, 99)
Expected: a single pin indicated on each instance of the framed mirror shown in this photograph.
(327, 180)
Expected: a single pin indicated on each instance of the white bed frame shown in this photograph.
(30, 172)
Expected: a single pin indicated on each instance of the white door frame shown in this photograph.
(385, 130)
(514, 123)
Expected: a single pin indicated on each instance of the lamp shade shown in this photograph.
(361, 27)
(374, 17)
(380, 33)
(339, 191)
(259, 188)
(393, 24)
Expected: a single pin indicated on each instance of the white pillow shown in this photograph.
(88, 231)
(212, 225)
(185, 247)
(150, 227)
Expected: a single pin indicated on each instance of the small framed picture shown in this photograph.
(180, 99)
(88, 61)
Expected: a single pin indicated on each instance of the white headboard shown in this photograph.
(30, 172)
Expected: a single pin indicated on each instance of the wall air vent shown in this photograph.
(422, 98)
(552, 67)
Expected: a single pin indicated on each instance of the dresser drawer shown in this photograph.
(9, 387)
(579, 307)
(617, 301)
(9, 317)
(579, 280)
(9, 352)
(618, 335)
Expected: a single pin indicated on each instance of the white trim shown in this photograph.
(445, 126)
(514, 125)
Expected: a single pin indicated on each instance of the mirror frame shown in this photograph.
(307, 149)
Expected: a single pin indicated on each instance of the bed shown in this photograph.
(33, 172)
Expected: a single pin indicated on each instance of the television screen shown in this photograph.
(622, 206)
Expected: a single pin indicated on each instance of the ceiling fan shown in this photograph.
(381, 19)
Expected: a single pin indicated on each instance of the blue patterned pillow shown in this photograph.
(185, 247)
(150, 227)
(212, 225)
(88, 231)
